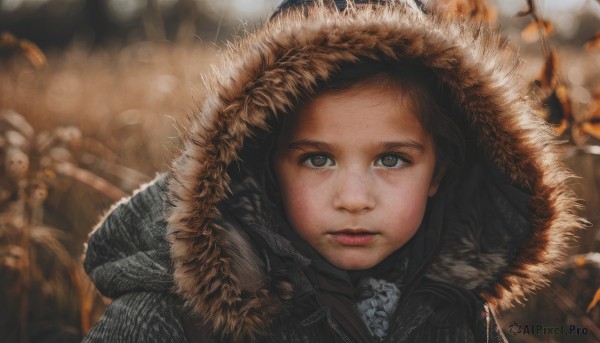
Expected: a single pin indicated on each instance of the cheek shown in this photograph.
(406, 209)
(301, 204)
(302, 197)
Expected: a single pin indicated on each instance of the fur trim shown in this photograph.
(264, 73)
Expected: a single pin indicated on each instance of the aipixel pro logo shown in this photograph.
(541, 329)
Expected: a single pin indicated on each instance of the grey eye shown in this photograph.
(389, 161)
(318, 160)
(392, 161)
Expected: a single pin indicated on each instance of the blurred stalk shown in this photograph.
(154, 26)
(566, 303)
(85, 295)
(224, 13)
(187, 28)
(90, 179)
(24, 222)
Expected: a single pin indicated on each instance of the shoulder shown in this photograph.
(451, 325)
(140, 317)
(140, 216)
(428, 318)
(452, 331)
(128, 251)
(145, 206)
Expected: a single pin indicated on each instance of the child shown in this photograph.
(357, 174)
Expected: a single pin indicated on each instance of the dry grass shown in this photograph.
(75, 136)
(124, 98)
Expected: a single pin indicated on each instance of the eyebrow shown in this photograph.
(307, 143)
(393, 145)
(398, 145)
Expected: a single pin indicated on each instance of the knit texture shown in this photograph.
(127, 258)
(377, 310)
(145, 317)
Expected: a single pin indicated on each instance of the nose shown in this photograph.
(354, 192)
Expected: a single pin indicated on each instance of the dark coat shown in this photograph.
(200, 252)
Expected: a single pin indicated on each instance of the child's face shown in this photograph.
(355, 171)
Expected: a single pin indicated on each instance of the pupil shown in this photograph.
(318, 161)
(389, 161)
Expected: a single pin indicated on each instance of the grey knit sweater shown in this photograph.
(127, 257)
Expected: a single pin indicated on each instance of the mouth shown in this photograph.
(353, 237)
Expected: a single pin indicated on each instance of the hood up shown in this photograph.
(226, 282)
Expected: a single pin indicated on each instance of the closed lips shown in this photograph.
(353, 237)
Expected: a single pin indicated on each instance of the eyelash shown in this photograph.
(305, 159)
(403, 160)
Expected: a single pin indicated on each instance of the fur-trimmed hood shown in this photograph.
(218, 270)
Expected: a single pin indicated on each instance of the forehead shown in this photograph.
(363, 111)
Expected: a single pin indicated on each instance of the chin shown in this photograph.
(355, 265)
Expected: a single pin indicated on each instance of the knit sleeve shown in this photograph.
(142, 317)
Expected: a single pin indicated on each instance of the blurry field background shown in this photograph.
(91, 92)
